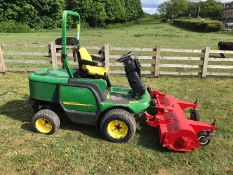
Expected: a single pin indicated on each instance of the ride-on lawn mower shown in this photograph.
(86, 96)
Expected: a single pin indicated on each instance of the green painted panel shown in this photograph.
(43, 91)
(122, 90)
(102, 84)
(50, 76)
(134, 105)
(77, 98)
(58, 76)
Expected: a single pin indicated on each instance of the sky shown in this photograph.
(150, 6)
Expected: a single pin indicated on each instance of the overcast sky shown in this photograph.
(150, 6)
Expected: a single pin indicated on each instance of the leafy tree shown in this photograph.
(133, 9)
(173, 8)
(116, 12)
(211, 9)
(101, 12)
(164, 9)
(100, 16)
(47, 13)
(206, 9)
(92, 12)
(35, 13)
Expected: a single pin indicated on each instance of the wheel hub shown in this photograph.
(43, 125)
(117, 129)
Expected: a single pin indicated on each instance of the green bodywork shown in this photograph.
(44, 86)
(76, 95)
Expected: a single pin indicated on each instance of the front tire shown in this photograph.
(118, 126)
(194, 115)
(46, 121)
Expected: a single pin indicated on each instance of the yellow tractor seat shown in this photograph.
(89, 65)
(96, 70)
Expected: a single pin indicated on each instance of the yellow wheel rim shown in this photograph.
(43, 125)
(117, 129)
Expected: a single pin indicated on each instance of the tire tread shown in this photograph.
(51, 116)
(123, 114)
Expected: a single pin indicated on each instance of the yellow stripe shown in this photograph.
(76, 104)
(134, 102)
(78, 27)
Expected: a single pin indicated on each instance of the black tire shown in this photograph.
(194, 115)
(118, 126)
(46, 121)
(201, 136)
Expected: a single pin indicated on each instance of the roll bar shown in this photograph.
(66, 64)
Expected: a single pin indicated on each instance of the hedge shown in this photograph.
(202, 25)
(13, 27)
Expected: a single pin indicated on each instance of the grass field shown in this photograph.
(78, 149)
(141, 35)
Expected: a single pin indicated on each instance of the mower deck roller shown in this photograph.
(176, 131)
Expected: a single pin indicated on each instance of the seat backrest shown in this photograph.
(84, 54)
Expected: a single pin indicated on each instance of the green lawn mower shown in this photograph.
(86, 96)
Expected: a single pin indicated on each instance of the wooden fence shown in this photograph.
(155, 61)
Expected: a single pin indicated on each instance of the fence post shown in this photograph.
(205, 61)
(49, 50)
(106, 55)
(54, 54)
(2, 65)
(157, 61)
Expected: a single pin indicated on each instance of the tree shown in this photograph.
(35, 13)
(100, 16)
(193, 9)
(164, 9)
(47, 13)
(178, 7)
(133, 9)
(173, 8)
(211, 9)
(207, 9)
(101, 12)
(116, 11)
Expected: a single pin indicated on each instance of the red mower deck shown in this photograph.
(176, 131)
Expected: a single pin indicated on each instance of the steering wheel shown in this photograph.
(125, 56)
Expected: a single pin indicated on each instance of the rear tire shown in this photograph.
(46, 121)
(118, 125)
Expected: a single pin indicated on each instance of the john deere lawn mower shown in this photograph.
(86, 96)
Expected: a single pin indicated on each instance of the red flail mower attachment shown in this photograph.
(176, 131)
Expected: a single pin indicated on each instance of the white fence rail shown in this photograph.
(155, 61)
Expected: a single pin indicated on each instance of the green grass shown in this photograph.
(77, 149)
(140, 35)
